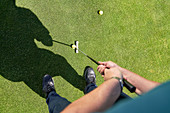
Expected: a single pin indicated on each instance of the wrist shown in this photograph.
(120, 80)
(122, 70)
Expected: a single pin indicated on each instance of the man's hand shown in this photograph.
(109, 64)
(109, 70)
(106, 65)
(112, 72)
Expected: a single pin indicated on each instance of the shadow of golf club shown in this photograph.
(62, 43)
(21, 59)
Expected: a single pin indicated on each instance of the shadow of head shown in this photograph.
(21, 59)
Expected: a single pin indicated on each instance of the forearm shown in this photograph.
(98, 100)
(142, 85)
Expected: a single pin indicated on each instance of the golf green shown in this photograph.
(133, 34)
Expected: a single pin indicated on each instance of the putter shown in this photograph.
(129, 86)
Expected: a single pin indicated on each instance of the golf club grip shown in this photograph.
(129, 86)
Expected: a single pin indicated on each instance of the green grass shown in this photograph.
(134, 34)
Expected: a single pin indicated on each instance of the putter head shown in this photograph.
(76, 44)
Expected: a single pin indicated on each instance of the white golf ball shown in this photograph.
(100, 12)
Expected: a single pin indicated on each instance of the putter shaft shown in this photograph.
(88, 57)
(129, 86)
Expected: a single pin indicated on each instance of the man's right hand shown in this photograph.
(109, 64)
(106, 65)
(109, 70)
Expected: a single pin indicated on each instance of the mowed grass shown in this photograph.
(133, 34)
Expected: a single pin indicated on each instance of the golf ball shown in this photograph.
(100, 12)
(73, 46)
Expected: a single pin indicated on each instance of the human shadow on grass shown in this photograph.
(21, 59)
